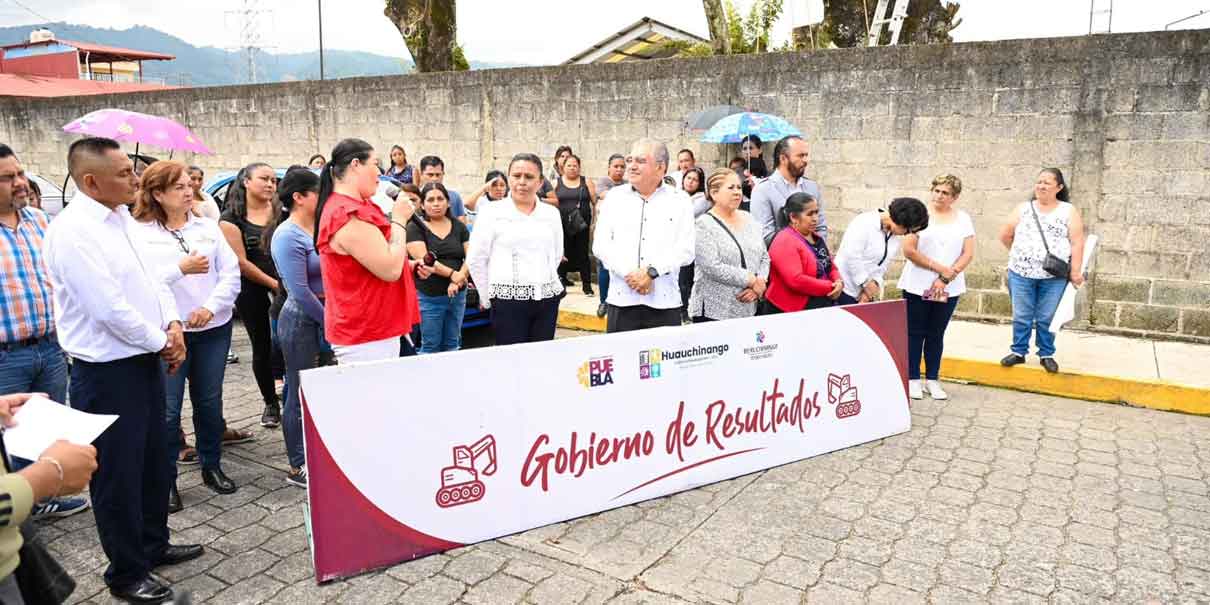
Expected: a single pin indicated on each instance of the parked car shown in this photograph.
(52, 195)
(218, 185)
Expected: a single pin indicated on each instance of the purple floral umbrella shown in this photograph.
(122, 125)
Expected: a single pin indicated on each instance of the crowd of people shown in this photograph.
(139, 279)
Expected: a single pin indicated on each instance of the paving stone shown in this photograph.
(499, 589)
(1026, 577)
(969, 577)
(244, 565)
(293, 568)
(438, 590)
(851, 574)
(832, 594)
(766, 592)
(243, 539)
(561, 589)
(474, 566)
(255, 589)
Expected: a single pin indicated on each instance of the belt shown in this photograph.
(28, 342)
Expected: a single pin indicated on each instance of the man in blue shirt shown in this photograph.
(432, 170)
(769, 195)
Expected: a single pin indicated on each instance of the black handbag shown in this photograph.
(574, 221)
(1053, 264)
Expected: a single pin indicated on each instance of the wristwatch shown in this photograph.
(652, 273)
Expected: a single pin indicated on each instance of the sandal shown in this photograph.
(188, 455)
(231, 436)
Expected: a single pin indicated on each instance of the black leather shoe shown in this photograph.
(1050, 364)
(147, 590)
(217, 481)
(179, 553)
(588, 291)
(174, 500)
(602, 310)
(1012, 359)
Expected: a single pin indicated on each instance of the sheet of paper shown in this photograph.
(41, 422)
(1067, 305)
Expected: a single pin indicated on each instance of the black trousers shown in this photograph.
(516, 321)
(130, 488)
(685, 281)
(575, 248)
(253, 305)
(640, 317)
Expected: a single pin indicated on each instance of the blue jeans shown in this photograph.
(927, 322)
(1034, 304)
(204, 367)
(603, 280)
(301, 339)
(441, 322)
(39, 368)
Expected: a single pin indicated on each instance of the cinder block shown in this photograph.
(1104, 314)
(998, 304)
(1128, 289)
(1178, 97)
(1181, 293)
(1149, 318)
(1195, 322)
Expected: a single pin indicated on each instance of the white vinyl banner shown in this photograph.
(413, 456)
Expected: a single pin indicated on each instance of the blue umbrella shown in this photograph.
(733, 128)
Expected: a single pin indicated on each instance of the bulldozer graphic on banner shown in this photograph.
(460, 483)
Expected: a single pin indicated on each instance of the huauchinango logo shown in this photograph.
(653, 362)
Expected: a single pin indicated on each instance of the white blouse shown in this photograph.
(513, 255)
(941, 242)
(214, 290)
(1028, 253)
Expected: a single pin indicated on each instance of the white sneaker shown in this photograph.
(914, 389)
(935, 390)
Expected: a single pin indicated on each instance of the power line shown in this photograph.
(32, 11)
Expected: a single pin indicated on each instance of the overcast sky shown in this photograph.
(539, 31)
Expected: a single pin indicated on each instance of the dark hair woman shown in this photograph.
(300, 322)
(317, 161)
(400, 169)
(203, 272)
(754, 162)
(1047, 225)
(802, 274)
(251, 206)
(495, 187)
(367, 278)
(440, 242)
(577, 196)
(514, 257)
(871, 242)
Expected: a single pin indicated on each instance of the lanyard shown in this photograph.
(886, 246)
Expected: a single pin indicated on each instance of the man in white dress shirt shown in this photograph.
(118, 321)
(644, 236)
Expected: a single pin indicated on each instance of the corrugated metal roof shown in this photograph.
(101, 52)
(15, 85)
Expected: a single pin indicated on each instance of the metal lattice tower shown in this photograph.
(249, 15)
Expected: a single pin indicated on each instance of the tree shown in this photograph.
(429, 28)
(846, 22)
(720, 41)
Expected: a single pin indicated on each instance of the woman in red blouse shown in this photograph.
(802, 274)
(371, 297)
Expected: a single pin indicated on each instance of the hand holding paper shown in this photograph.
(40, 422)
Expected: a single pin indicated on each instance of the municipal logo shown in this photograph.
(649, 363)
(596, 372)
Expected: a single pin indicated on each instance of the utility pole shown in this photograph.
(320, 4)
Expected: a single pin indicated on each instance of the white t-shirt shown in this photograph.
(941, 242)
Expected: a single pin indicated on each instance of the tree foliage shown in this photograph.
(429, 28)
(928, 22)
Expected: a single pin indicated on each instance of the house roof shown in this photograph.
(640, 41)
(18, 85)
(99, 53)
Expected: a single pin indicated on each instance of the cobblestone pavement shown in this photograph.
(996, 496)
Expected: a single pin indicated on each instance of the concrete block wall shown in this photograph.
(1125, 116)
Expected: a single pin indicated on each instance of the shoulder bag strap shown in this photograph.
(742, 262)
(1038, 221)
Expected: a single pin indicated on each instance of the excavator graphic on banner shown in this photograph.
(460, 483)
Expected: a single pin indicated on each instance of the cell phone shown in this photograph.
(934, 295)
(430, 259)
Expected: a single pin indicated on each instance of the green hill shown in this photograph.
(209, 66)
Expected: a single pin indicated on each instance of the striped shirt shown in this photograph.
(26, 310)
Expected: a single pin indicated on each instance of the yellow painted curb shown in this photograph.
(572, 320)
(1151, 394)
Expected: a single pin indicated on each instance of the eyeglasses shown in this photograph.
(180, 240)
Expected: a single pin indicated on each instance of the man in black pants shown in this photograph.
(644, 236)
(118, 321)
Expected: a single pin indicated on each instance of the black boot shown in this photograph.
(217, 481)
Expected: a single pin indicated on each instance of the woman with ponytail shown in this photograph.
(300, 322)
(802, 275)
(367, 277)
